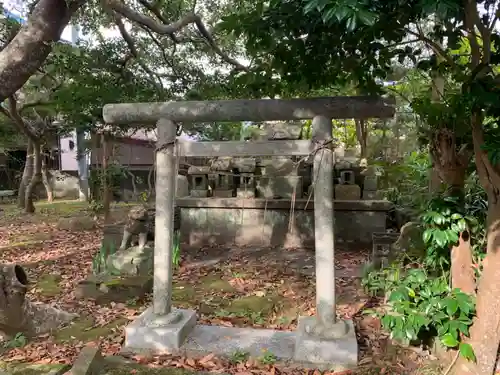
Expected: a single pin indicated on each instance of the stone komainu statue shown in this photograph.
(141, 222)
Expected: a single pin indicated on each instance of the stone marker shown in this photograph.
(370, 183)
(88, 362)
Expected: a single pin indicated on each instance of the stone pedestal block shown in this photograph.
(326, 354)
(219, 193)
(164, 333)
(347, 192)
(198, 193)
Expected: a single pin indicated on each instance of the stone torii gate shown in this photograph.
(322, 340)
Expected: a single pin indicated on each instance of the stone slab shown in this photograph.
(88, 362)
(198, 193)
(223, 193)
(225, 341)
(156, 333)
(326, 354)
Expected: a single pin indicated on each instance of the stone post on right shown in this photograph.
(323, 340)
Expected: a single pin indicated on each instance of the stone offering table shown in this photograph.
(321, 341)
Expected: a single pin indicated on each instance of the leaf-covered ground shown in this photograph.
(231, 287)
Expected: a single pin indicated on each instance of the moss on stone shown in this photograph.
(14, 368)
(49, 285)
(83, 330)
(255, 304)
(214, 283)
(183, 292)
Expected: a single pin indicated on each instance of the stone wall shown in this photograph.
(257, 222)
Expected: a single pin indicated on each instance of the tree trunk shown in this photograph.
(46, 180)
(462, 274)
(361, 135)
(106, 183)
(27, 175)
(27, 51)
(450, 166)
(485, 332)
(35, 179)
(18, 314)
(83, 170)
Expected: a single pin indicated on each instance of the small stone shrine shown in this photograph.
(323, 341)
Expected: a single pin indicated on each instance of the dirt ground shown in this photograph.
(232, 287)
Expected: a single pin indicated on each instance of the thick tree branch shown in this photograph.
(15, 116)
(171, 28)
(176, 74)
(489, 176)
(146, 4)
(433, 45)
(21, 58)
(155, 80)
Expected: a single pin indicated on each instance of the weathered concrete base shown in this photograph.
(225, 341)
(324, 353)
(159, 333)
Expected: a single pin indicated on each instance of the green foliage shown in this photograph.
(176, 259)
(443, 224)
(239, 356)
(18, 341)
(267, 358)
(419, 308)
(406, 183)
(93, 76)
(377, 282)
(99, 260)
(114, 175)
